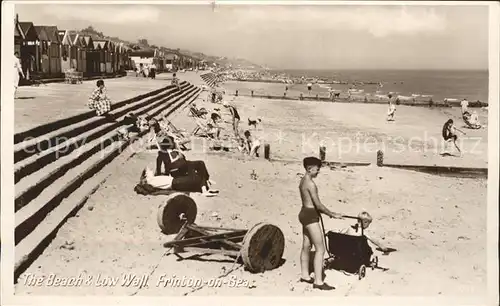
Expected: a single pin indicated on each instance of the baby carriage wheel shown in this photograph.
(362, 271)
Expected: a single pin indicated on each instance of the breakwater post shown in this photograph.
(380, 158)
(267, 151)
(322, 153)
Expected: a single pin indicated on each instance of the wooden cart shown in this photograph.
(260, 248)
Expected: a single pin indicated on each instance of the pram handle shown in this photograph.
(350, 217)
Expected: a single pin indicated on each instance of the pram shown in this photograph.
(351, 254)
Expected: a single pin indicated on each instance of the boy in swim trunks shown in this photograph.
(312, 232)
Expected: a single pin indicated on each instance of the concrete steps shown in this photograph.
(209, 78)
(62, 159)
(53, 183)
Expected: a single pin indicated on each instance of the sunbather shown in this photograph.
(187, 183)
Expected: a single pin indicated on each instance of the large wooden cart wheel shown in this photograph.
(263, 247)
(175, 211)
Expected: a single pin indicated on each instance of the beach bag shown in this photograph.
(350, 252)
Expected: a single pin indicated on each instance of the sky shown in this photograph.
(294, 36)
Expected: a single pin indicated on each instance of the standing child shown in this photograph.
(309, 218)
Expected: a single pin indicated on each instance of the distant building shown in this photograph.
(144, 57)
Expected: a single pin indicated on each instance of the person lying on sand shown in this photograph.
(364, 221)
(250, 145)
(152, 184)
(449, 135)
(177, 165)
(309, 218)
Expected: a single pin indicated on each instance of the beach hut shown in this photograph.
(75, 55)
(18, 36)
(93, 56)
(43, 50)
(110, 61)
(68, 52)
(79, 49)
(116, 56)
(54, 48)
(102, 47)
(170, 59)
(127, 60)
(28, 48)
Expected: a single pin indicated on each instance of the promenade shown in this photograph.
(37, 105)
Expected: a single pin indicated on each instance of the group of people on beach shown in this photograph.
(449, 130)
(173, 171)
(178, 173)
(147, 71)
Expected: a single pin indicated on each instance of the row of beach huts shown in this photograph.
(47, 52)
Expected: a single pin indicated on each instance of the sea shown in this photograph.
(440, 84)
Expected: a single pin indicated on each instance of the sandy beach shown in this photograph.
(437, 224)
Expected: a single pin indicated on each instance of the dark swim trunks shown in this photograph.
(308, 216)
